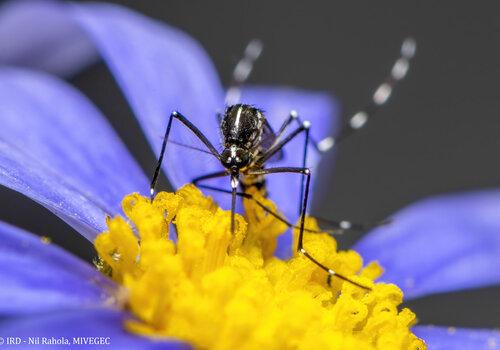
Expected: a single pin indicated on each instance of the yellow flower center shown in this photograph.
(215, 290)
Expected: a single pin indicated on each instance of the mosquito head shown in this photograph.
(242, 126)
(235, 158)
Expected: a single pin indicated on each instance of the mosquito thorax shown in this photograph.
(241, 129)
(242, 125)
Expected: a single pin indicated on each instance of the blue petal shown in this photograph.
(28, 176)
(441, 244)
(46, 292)
(323, 112)
(82, 324)
(159, 69)
(450, 338)
(176, 74)
(59, 150)
(45, 37)
(38, 277)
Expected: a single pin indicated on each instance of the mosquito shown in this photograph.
(249, 143)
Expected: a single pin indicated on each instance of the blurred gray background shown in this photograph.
(439, 133)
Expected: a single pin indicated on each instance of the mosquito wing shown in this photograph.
(269, 138)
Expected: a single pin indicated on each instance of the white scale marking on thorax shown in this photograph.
(237, 121)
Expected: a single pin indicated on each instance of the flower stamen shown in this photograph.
(216, 290)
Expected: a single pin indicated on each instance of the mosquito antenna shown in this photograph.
(242, 71)
(177, 143)
(379, 98)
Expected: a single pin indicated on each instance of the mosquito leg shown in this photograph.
(276, 147)
(242, 71)
(279, 145)
(234, 187)
(286, 123)
(291, 117)
(304, 162)
(249, 196)
(337, 227)
(294, 117)
(379, 98)
(345, 225)
(194, 130)
(300, 245)
(321, 146)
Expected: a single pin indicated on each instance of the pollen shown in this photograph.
(46, 240)
(188, 277)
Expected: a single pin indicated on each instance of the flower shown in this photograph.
(73, 163)
(216, 290)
